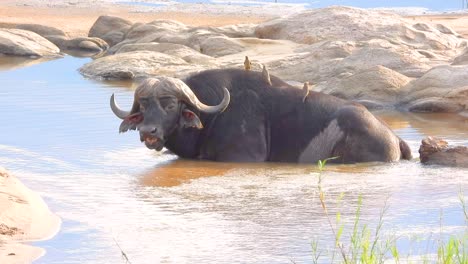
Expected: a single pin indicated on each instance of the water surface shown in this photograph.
(61, 139)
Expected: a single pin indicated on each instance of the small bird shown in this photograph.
(266, 75)
(247, 64)
(305, 91)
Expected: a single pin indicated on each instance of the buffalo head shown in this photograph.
(160, 106)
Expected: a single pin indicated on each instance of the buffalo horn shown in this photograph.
(122, 114)
(187, 95)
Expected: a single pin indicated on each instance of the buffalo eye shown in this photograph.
(168, 103)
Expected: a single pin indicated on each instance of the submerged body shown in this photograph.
(267, 120)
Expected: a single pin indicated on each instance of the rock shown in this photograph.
(446, 30)
(220, 46)
(42, 30)
(374, 87)
(235, 31)
(152, 46)
(208, 40)
(324, 61)
(18, 42)
(441, 89)
(434, 105)
(63, 42)
(461, 59)
(88, 44)
(113, 37)
(140, 30)
(136, 64)
(405, 61)
(180, 51)
(354, 24)
(437, 151)
(110, 29)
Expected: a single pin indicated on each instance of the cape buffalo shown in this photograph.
(247, 118)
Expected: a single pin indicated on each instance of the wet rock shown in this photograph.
(434, 105)
(441, 89)
(18, 42)
(111, 29)
(437, 151)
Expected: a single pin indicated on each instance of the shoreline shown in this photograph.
(24, 218)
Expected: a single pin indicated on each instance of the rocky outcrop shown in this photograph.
(441, 89)
(111, 29)
(461, 59)
(64, 43)
(42, 30)
(136, 64)
(376, 87)
(18, 42)
(376, 58)
(187, 54)
(435, 151)
(355, 24)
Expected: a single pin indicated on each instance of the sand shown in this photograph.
(458, 22)
(23, 217)
(77, 17)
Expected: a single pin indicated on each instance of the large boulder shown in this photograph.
(18, 42)
(235, 31)
(180, 51)
(42, 30)
(435, 151)
(323, 61)
(220, 46)
(354, 24)
(64, 43)
(442, 89)
(111, 29)
(461, 59)
(375, 87)
(138, 64)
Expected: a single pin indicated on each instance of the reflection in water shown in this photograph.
(63, 142)
(179, 171)
(14, 62)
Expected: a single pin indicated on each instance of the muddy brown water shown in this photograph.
(60, 138)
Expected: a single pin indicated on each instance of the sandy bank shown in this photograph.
(23, 217)
(77, 17)
(77, 20)
(458, 22)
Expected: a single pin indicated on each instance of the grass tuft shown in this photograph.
(368, 246)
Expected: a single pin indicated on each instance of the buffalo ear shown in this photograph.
(190, 119)
(130, 122)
